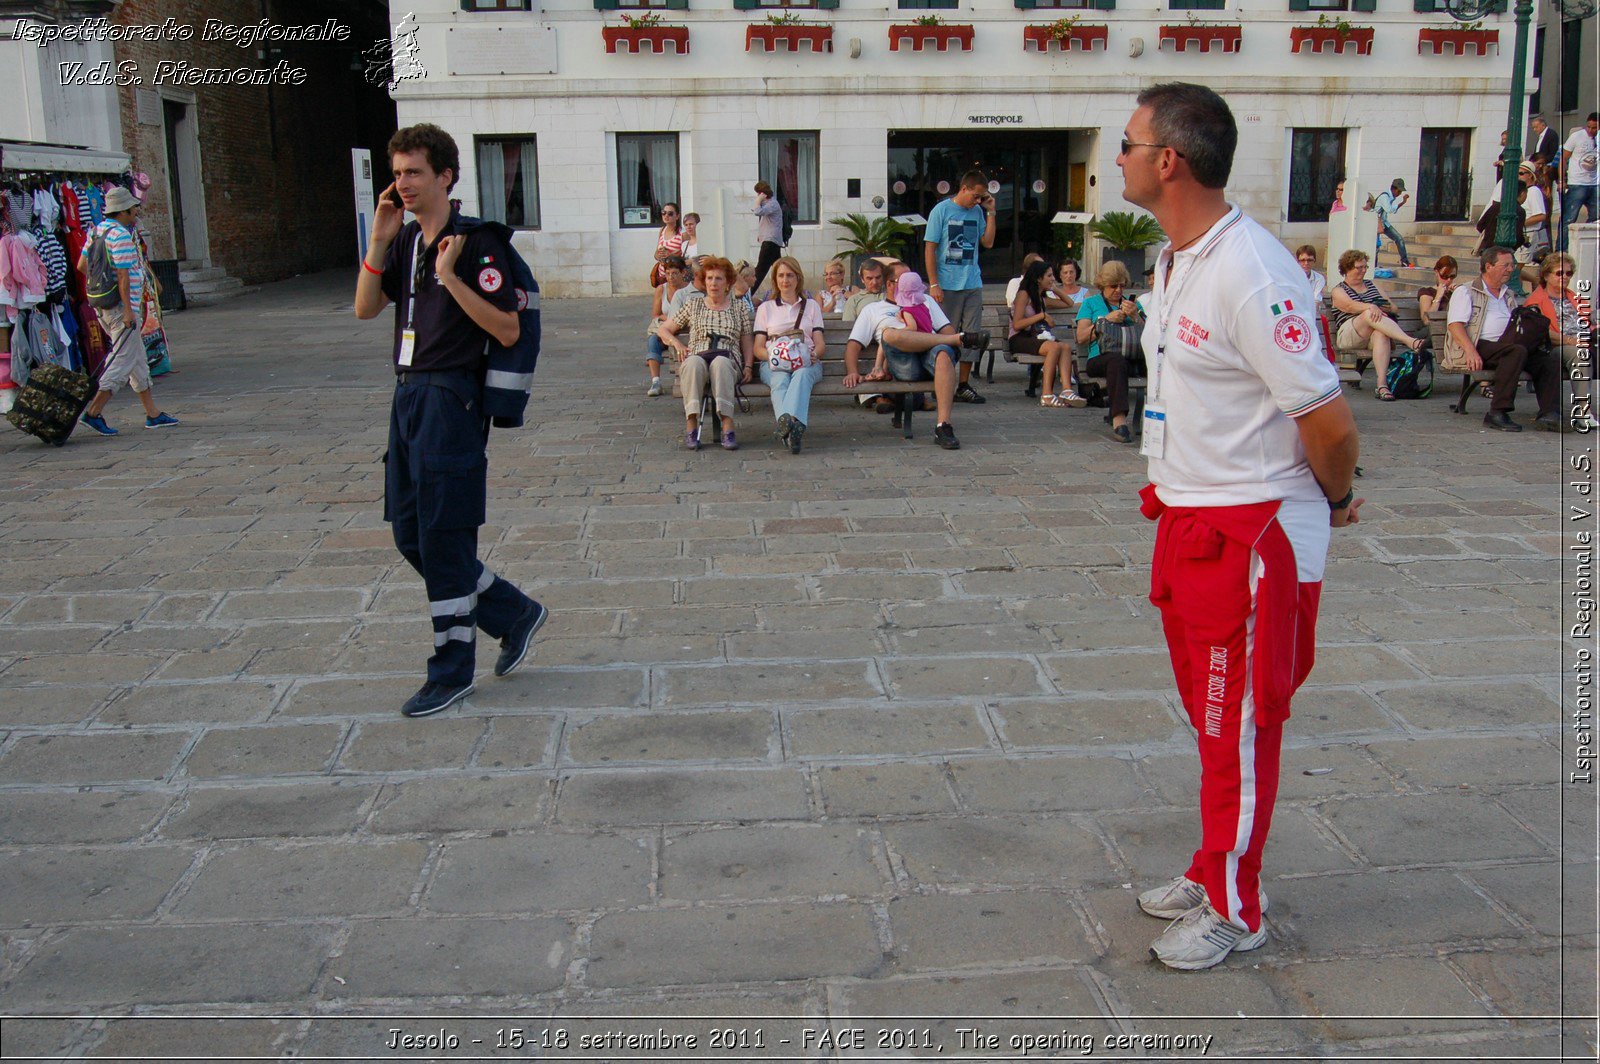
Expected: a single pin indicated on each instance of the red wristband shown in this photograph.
(369, 269)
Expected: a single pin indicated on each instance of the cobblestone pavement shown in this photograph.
(876, 730)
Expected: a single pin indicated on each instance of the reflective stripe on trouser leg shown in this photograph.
(1235, 616)
(500, 604)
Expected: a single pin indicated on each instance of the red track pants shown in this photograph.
(1240, 620)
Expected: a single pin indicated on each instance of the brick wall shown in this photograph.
(274, 162)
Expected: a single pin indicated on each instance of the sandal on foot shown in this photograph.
(1051, 399)
(1072, 398)
(1383, 394)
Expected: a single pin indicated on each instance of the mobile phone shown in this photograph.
(394, 198)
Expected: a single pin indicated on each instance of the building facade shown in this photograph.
(575, 127)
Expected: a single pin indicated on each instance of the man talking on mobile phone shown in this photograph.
(456, 300)
(957, 227)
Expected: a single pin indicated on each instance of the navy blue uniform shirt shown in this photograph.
(447, 339)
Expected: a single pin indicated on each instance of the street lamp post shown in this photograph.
(1505, 233)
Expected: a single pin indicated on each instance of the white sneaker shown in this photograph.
(655, 387)
(1201, 938)
(1171, 900)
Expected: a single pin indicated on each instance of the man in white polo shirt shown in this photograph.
(1252, 451)
(1480, 332)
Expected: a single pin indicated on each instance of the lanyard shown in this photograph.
(416, 258)
(1172, 283)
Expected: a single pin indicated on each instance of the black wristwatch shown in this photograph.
(1344, 503)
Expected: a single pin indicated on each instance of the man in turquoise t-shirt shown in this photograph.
(956, 227)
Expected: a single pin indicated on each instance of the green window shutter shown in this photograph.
(606, 5)
(1026, 5)
(1105, 5)
(677, 5)
(746, 5)
(827, 5)
(1299, 5)
(1498, 7)
(1363, 5)
(1427, 7)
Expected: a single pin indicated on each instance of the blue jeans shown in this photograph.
(791, 392)
(912, 366)
(1575, 197)
(1400, 245)
(655, 350)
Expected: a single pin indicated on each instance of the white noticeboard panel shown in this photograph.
(366, 199)
(147, 105)
(495, 50)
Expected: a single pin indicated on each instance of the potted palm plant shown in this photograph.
(1127, 235)
(867, 237)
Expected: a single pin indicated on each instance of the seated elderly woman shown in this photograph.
(721, 348)
(835, 290)
(1364, 318)
(669, 296)
(789, 347)
(1572, 328)
(1109, 327)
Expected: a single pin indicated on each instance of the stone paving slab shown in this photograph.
(876, 731)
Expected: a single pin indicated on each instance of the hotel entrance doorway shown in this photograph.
(1035, 173)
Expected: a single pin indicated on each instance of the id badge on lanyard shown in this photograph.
(408, 336)
(1153, 440)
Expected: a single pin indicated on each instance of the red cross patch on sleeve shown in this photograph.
(1292, 333)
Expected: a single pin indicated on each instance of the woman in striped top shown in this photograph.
(1363, 319)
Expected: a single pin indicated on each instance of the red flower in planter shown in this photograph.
(1330, 39)
(1457, 38)
(1044, 37)
(940, 36)
(645, 33)
(771, 35)
(1205, 38)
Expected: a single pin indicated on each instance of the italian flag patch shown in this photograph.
(1282, 308)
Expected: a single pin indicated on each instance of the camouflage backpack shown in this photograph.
(51, 403)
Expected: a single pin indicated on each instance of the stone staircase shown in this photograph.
(1428, 240)
(204, 284)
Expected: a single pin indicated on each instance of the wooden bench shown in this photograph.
(836, 332)
(1353, 362)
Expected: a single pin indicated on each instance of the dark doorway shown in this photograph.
(1033, 170)
(174, 114)
(1442, 175)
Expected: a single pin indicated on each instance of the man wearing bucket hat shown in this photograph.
(125, 364)
(1386, 204)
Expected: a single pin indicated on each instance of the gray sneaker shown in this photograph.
(1171, 900)
(1201, 938)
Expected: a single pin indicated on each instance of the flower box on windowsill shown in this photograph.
(1204, 38)
(1457, 40)
(1084, 38)
(1320, 39)
(774, 38)
(941, 37)
(646, 38)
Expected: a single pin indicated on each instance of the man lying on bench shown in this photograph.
(911, 355)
